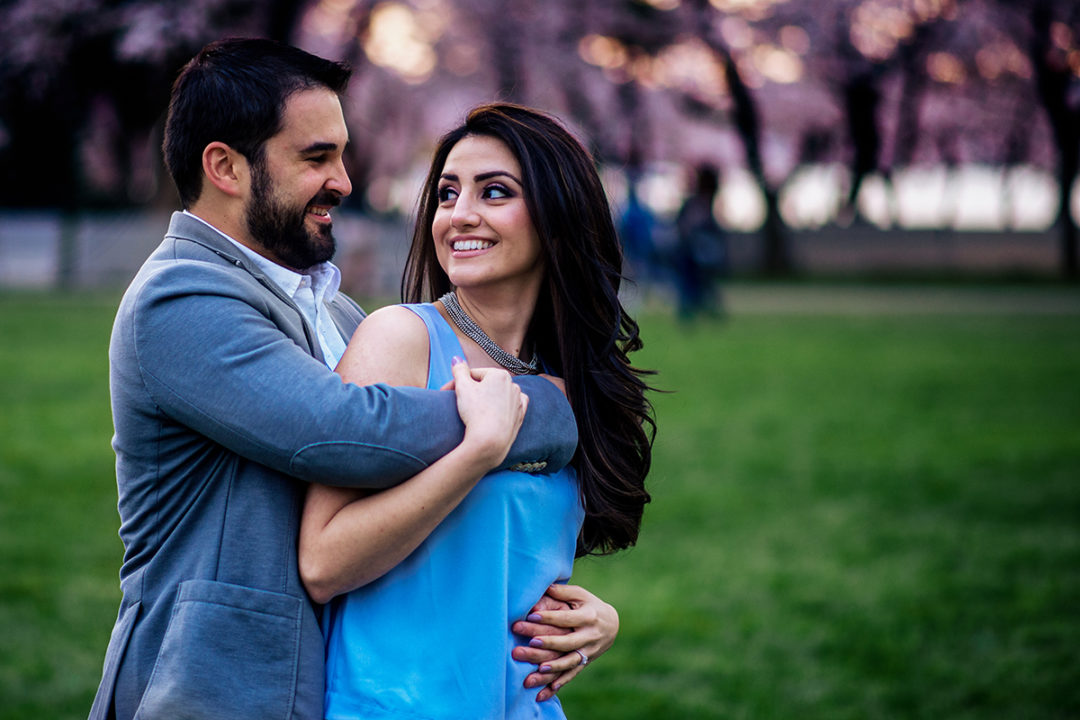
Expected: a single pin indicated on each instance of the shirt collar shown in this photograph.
(325, 278)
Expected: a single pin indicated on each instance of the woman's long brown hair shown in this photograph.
(580, 327)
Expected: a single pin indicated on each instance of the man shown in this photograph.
(224, 402)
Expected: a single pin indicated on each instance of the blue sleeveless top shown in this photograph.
(431, 638)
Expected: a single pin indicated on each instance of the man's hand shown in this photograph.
(567, 625)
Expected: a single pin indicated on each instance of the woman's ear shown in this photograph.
(226, 169)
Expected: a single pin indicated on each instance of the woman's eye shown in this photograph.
(495, 192)
(447, 193)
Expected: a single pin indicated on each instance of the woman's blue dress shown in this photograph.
(431, 638)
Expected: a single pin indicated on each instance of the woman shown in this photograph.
(514, 243)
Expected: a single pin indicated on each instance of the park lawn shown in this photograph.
(853, 516)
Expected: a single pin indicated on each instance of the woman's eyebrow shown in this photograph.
(496, 173)
(482, 176)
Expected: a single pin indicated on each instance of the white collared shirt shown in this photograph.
(310, 291)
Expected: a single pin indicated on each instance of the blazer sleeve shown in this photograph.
(212, 357)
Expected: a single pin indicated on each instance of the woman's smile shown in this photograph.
(467, 247)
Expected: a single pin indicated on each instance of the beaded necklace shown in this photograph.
(465, 324)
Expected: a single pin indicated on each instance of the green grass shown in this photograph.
(59, 550)
(854, 516)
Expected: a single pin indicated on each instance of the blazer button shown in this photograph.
(529, 467)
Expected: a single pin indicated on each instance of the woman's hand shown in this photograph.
(492, 407)
(349, 538)
(567, 625)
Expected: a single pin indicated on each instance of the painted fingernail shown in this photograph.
(535, 617)
(545, 668)
(536, 642)
(455, 360)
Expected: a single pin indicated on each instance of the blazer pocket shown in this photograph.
(230, 652)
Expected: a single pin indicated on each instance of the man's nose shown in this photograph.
(339, 180)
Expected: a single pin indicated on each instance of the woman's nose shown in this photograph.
(465, 214)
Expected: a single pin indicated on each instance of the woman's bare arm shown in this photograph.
(347, 538)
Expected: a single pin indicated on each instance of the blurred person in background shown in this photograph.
(225, 405)
(514, 265)
(700, 256)
(636, 227)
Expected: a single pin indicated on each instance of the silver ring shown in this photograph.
(584, 658)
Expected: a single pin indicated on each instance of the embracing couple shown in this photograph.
(324, 517)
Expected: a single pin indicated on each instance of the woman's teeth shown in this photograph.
(461, 245)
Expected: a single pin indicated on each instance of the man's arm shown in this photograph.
(212, 357)
(349, 537)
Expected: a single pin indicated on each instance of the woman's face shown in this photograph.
(483, 234)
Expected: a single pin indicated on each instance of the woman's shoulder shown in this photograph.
(395, 310)
(394, 327)
(391, 345)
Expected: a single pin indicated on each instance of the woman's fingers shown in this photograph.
(559, 682)
(579, 639)
(534, 629)
(539, 658)
(492, 408)
(559, 621)
(563, 663)
(534, 623)
(534, 656)
(555, 671)
(562, 612)
(593, 623)
(546, 602)
(569, 594)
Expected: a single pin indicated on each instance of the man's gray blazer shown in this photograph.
(223, 408)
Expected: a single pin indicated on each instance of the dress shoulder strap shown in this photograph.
(444, 344)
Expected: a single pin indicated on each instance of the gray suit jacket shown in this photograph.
(222, 409)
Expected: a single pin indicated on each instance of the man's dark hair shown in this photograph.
(234, 91)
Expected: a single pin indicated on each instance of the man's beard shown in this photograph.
(282, 230)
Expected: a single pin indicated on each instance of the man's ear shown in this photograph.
(226, 169)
